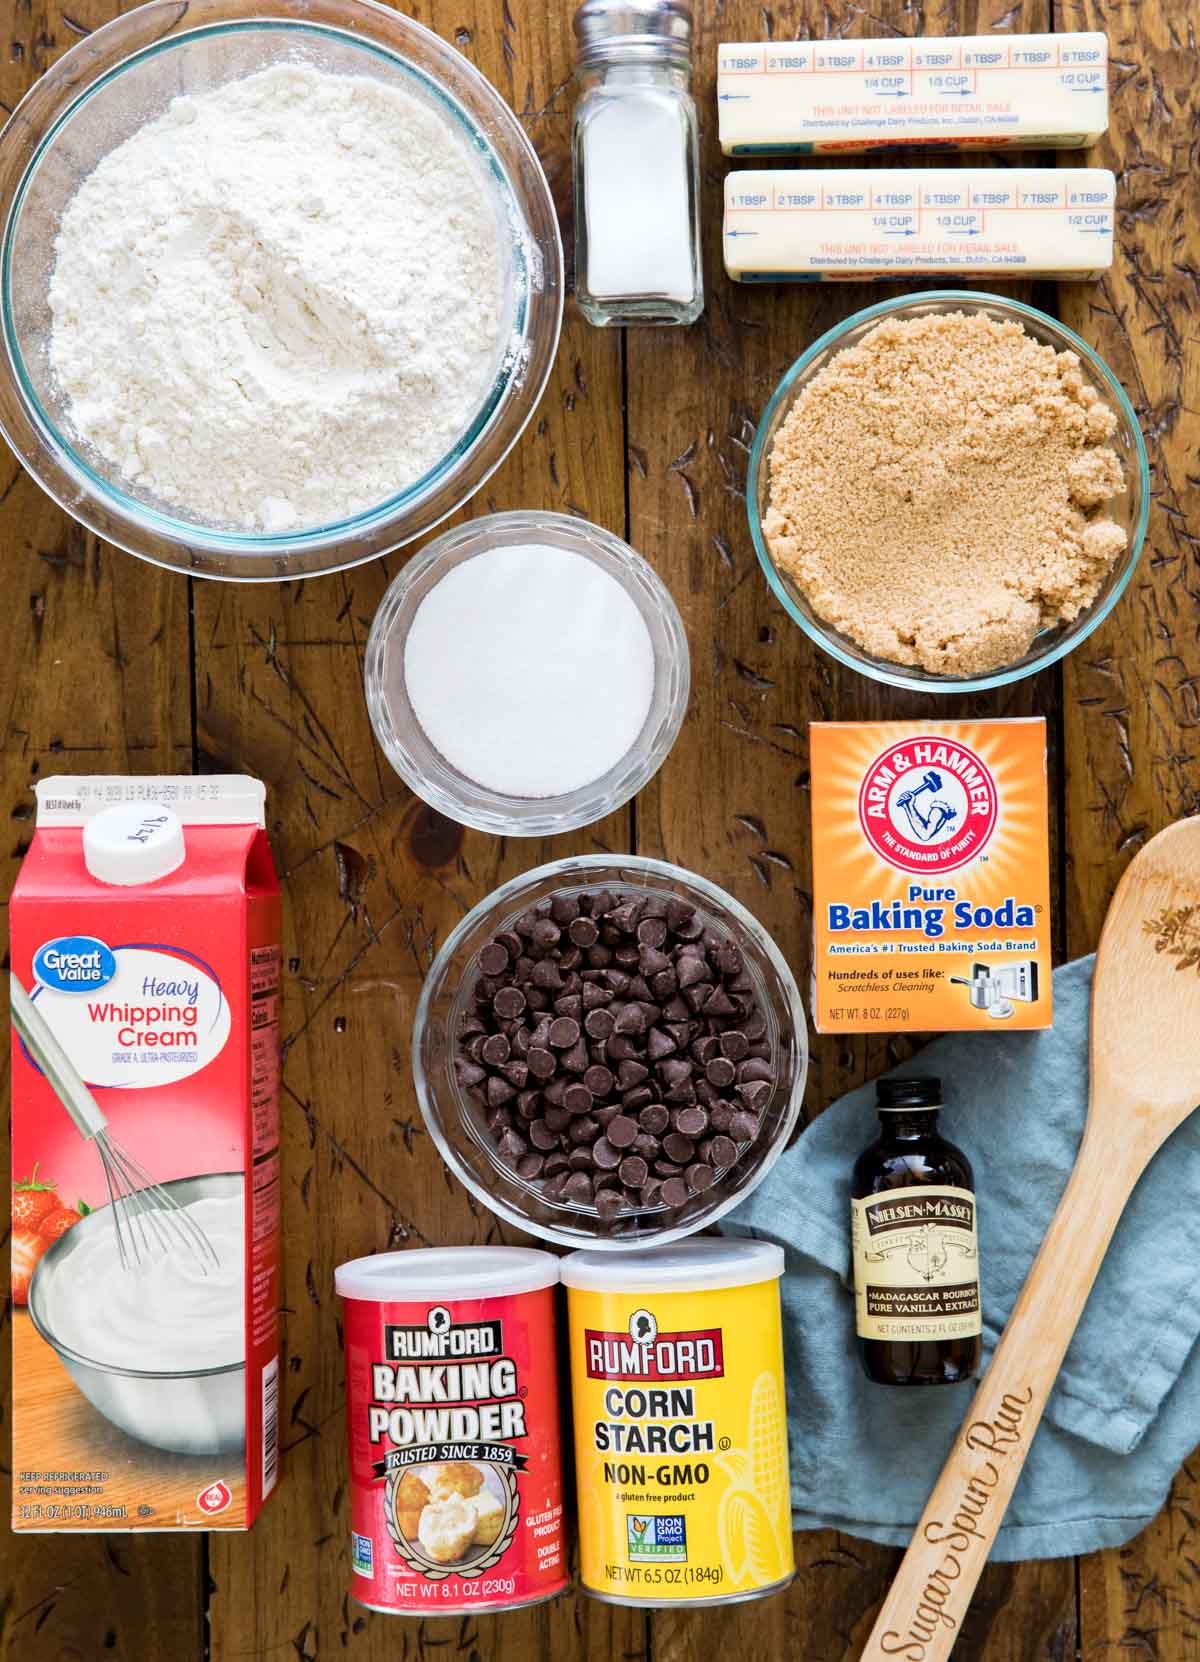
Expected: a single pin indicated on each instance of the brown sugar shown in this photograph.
(939, 492)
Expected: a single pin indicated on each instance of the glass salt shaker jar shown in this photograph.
(636, 164)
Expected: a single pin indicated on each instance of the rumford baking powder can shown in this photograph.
(680, 1423)
(452, 1402)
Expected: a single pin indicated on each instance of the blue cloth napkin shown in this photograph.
(1125, 1413)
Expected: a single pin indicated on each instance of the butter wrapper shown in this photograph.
(978, 92)
(860, 225)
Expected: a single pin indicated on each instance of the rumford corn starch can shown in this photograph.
(452, 1407)
(680, 1424)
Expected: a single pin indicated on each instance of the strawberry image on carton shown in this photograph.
(144, 930)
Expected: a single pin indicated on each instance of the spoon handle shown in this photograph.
(923, 1612)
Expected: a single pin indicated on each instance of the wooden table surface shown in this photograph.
(109, 665)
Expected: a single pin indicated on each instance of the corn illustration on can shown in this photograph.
(681, 1450)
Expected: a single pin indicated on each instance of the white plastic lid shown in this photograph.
(135, 842)
(447, 1273)
(684, 1266)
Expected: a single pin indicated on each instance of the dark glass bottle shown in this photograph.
(916, 1259)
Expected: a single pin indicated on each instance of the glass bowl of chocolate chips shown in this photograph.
(610, 1052)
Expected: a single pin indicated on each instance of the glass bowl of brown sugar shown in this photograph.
(948, 492)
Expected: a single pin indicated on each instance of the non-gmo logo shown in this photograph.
(74, 964)
(926, 805)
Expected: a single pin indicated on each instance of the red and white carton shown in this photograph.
(145, 927)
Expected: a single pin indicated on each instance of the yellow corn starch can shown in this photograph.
(681, 1452)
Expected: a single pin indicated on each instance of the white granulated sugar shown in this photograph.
(280, 302)
(530, 670)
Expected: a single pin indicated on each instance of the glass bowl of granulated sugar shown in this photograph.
(280, 283)
(948, 492)
(527, 673)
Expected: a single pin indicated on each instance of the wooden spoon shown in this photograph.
(1144, 1082)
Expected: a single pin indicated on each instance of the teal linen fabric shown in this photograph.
(1125, 1413)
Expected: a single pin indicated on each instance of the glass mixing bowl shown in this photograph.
(1131, 509)
(456, 1122)
(427, 772)
(126, 73)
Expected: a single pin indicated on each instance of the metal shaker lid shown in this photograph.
(631, 31)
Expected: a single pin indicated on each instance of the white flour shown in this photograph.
(281, 301)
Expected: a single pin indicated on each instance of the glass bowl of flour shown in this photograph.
(527, 673)
(280, 285)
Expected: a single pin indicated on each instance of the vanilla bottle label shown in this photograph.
(916, 1264)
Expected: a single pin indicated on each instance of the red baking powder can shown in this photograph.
(456, 1499)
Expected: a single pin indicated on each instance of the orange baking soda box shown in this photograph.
(931, 876)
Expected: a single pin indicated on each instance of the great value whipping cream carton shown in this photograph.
(931, 876)
(145, 1147)
(803, 97)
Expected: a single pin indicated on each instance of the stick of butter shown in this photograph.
(860, 225)
(978, 92)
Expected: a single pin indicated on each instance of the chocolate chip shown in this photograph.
(651, 961)
(674, 1192)
(530, 1166)
(494, 959)
(579, 1187)
(554, 1187)
(583, 932)
(541, 1136)
(690, 1122)
(546, 934)
(547, 976)
(634, 1171)
(499, 1093)
(542, 1063)
(584, 1128)
(722, 1151)
(558, 1119)
(509, 1003)
(678, 1148)
(564, 1032)
(734, 1045)
(755, 1094)
(599, 1080)
(651, 1192)
(700, 1176)
(754, 1068)
(719, 1003)
(610, 1203)
(470, 1073)
(580, 1159)
(631, 1073)
(564, 909)
(720, 1072)
(577, 1099)
(554, 1163)
(647, 1146)
(495, 1049)
(654, 1119)
(607, 1157)
(599, 1023)
(576, 1060)
(631, 1020)
(652, 932)
(622, 1131)
(690, 971)
(634, 1101)
(659, 1044)
(742, 1127)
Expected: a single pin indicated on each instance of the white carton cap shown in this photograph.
(135, 842)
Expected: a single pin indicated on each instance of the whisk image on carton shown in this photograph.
(145, 1197)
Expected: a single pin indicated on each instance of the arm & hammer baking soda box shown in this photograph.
(931, 876)
(145, 926)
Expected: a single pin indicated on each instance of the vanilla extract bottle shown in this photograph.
(916, 1252)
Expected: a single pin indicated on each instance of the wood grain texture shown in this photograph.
(647, 434)
(1129, 695)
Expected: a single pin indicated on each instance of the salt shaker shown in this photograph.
(636, 164)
